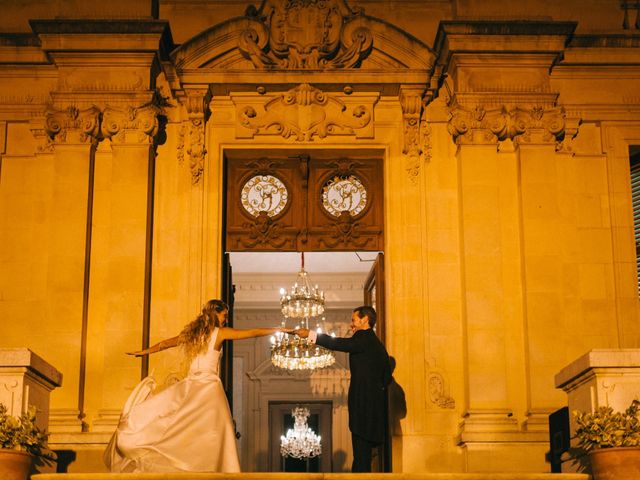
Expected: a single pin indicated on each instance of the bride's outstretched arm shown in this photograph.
(227, 333)
(158, 347)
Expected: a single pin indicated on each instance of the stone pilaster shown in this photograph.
(120, 248)
(504, 116)
(73, 133)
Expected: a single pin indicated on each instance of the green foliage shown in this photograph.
(22, 433)
(605, 428)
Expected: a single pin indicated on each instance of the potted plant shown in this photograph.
(612, 440)
(22, 443)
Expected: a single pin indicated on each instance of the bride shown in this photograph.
(187, 427)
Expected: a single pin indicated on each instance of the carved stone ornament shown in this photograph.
(437, 393)
(344, 194)
(304, 112)
(345, 231)
(264, 232)
(416, 132)
(196, 150)
(264, 193)
(130, 124)
(534, 125)
(195, 102)
(44, 142)
(72, 125)
(305, 34)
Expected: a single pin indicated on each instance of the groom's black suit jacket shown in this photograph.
(370, 375)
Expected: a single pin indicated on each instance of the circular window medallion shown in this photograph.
(264, 193)
(344, 193)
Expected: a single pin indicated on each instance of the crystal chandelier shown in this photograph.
(301, 441)
(301, 302)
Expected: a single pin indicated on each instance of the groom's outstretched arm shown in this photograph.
(341, 344)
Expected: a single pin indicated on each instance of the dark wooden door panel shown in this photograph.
(303, 202)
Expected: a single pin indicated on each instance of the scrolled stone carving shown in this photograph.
(304, 112)
(196, 150)
(196, 105)
(534, 125)
(416, 131)
(180, 143)
(131, 124)
(305, 34)
(72, 125)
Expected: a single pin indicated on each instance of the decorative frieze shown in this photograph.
(304, 35)
(525, 125)
(304, 113)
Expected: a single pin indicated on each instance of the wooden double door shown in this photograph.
(304, 201)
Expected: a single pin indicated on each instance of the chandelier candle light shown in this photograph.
(301, 302)
(301, 441)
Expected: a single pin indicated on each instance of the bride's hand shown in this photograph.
(139, 353)
(287, 330)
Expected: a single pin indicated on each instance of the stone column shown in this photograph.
(27, 380)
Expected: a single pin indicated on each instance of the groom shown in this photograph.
(370, 375)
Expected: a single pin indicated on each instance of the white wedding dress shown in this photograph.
(184, 428)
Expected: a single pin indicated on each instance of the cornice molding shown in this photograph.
(629, 39)
(107, 26)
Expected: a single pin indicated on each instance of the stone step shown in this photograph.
(310, 476)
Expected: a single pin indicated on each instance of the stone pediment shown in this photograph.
(303, 35)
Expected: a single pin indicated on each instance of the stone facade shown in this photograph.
(505, 130)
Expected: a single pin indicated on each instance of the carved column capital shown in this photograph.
(536, 125)
(72, 126)
(138, 125)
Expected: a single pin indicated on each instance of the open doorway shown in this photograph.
(278, 203)
(258, 278)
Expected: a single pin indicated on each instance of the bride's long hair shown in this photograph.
(195, 335)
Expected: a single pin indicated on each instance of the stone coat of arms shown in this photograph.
(305, 34)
